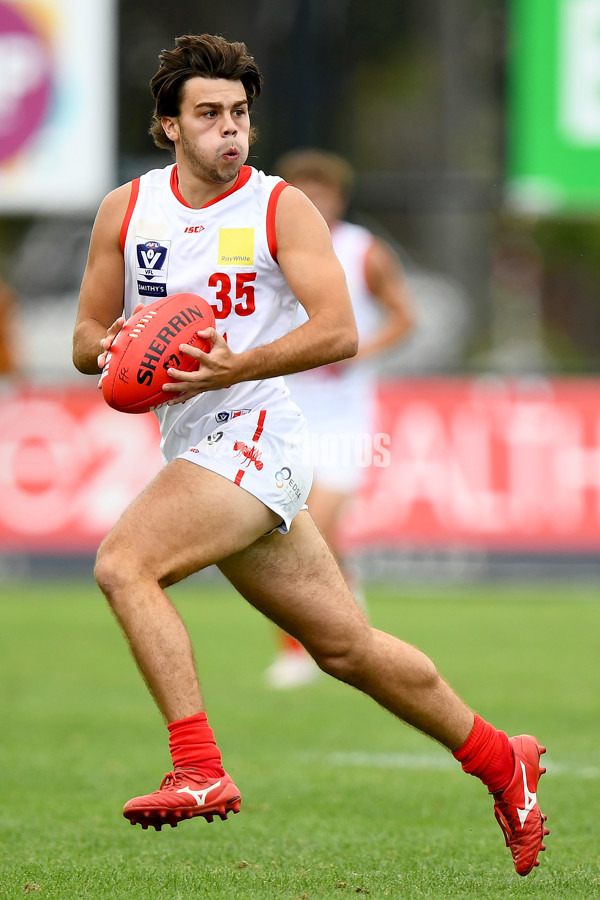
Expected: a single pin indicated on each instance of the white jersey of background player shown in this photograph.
(339, 400)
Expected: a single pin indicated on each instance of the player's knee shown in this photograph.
(112, 571)
(342, 660)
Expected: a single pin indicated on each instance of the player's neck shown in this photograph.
(196, 192)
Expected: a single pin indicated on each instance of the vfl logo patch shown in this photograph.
(226, 414)
(152, 266)
(236, 246)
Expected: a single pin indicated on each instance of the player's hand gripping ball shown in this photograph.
(147, 345)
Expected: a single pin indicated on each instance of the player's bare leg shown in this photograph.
(315, 605)
(166, 534)
(293, 666)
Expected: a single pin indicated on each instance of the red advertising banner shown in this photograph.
(487, 463)
(482, 463)
(68, 467)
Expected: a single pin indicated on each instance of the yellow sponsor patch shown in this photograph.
(236, 246)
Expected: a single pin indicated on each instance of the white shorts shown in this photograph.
(266, 452)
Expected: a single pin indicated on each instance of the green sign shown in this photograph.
(553, 139)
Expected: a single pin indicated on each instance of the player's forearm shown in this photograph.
(307, 347)
(87, 347)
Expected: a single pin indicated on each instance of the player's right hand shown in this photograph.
(107, 341)
(111, 335)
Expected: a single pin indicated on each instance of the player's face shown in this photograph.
(211, 132)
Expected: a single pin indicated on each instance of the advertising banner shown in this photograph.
(57, 104)
(68, 467)
(553, 114)
(469, 463)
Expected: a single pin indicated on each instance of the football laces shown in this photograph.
(135, 332)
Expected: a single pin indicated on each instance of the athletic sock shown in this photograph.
(488, 755)
(290, 644)
(192, 744)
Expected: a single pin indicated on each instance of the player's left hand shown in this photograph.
(216, 369)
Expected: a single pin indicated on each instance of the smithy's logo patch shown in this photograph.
(152, 265)
(236, 246)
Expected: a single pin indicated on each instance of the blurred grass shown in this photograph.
(339, 799)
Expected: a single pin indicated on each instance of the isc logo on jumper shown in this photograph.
(152, 266)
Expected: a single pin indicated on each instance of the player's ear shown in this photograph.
(170, 127)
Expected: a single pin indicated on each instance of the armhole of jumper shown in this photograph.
(271, 210)
(135, 189)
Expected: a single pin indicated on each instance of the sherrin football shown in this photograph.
(147, 345)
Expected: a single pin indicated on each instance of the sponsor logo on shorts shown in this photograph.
(283, 479)
(214, 438)
(282, 476)
(251, 454)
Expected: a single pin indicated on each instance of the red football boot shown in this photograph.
(516, 807)
(183, 794)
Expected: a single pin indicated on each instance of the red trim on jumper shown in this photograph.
(135, 189)
(239, 476)
(242, 179)
(271, 210)
(260, 425)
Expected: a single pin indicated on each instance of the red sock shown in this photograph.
(487, 754)
(192, 743)
(290, 644)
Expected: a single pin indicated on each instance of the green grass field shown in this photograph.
(339, 799)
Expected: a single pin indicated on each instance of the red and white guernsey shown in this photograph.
(226, 252)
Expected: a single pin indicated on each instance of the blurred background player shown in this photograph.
(339, 400)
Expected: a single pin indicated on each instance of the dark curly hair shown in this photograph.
(203, 55)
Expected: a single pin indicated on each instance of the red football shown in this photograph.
(147, 345)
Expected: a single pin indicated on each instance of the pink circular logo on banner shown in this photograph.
(25, 80)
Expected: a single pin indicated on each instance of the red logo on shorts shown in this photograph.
(250, 454)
